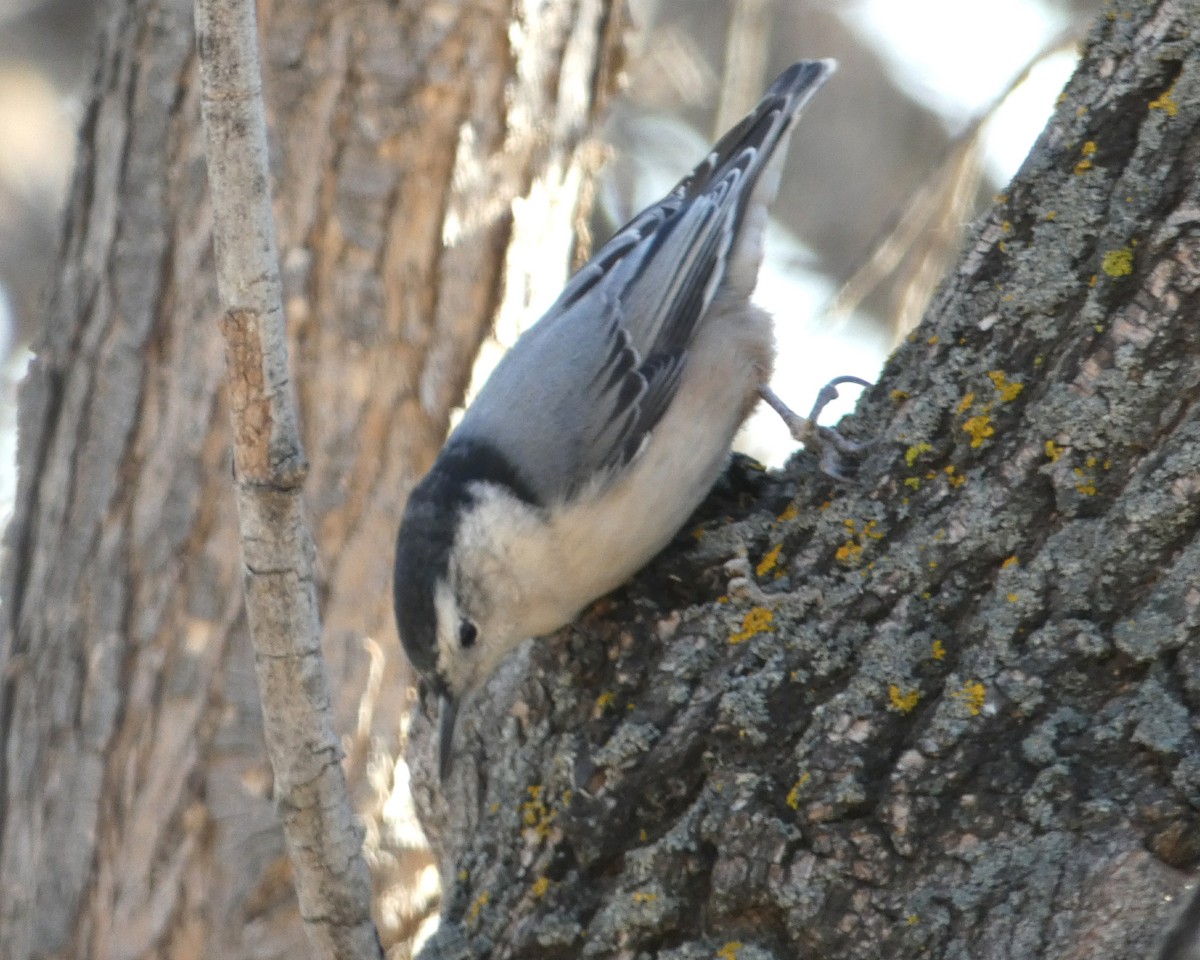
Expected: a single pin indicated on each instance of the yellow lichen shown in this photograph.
(1088, 150)
(980, 428)
(604, 701)
(535, 814)
(903, 702)
(539, 888)
(769, 561)
(757, 620)
(1009, 562)
(1053, 451)
(479, 903)
(790, 512)
(965, 403)
(933, 341)
(911, 454)
(1051, 215)
(1013, 597)
(913, 483)
(848, 552)
(1118, 263)
(898, 395)
(851, 551)
(953, 477)
(1165, 102)
(1008, 390)
(973, 695)
(793, 797)
(939, 650)
(729, 951)
(644, 896)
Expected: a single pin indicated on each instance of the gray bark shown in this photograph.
(324, 840)
(136, 813)
(948, 712)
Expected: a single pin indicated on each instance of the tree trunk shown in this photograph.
(944, 712)
(135, 814)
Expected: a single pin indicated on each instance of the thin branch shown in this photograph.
(935, 215)
(323, 836)
(744, 71)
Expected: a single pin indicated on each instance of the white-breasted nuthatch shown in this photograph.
(606, 424)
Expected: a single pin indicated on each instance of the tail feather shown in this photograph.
(768, 132)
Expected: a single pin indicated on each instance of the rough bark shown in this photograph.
(135, 798)
(946, 712)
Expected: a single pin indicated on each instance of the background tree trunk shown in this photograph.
(135, 815)
(948, 712)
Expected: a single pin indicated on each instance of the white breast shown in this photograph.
(595, 545)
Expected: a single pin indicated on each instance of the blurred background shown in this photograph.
(934, 107)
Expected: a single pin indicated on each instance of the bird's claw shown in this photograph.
(831, 448)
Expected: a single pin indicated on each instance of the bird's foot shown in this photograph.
(832, 449)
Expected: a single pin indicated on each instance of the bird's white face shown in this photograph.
(471, 638)
(479, 609)
(501, 587)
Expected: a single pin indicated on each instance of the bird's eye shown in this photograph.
(467, 634)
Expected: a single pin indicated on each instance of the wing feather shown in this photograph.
(587, 383)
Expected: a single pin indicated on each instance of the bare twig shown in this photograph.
(324, 839)
(745, 67)
(932, 220)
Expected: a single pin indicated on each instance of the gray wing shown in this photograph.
(582, 389)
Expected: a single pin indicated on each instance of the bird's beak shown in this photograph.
(447, 714)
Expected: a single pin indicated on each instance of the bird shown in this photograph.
(608, 421)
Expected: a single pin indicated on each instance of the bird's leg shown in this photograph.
(829, 445)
